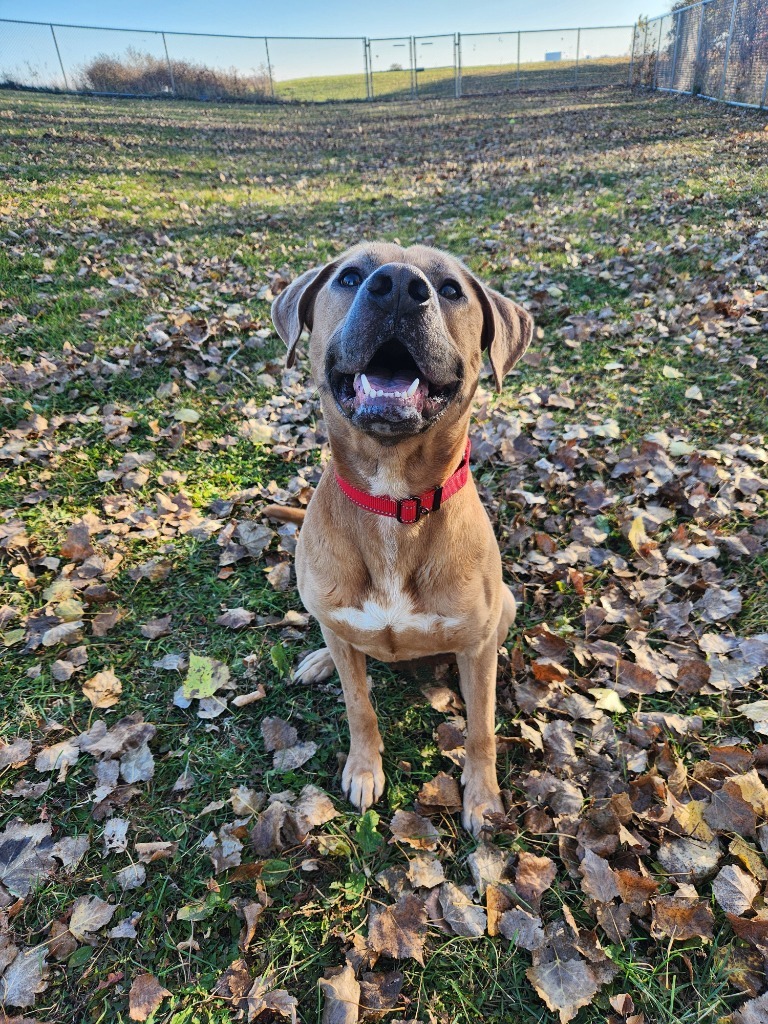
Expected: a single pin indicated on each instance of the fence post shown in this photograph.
(632, 56)
(170, 67)
(370, 68)
(61, 62)
(655, 84)
(728, 47)
(518, 61)
(698, 63)
(765, 91)
(457, 65)
(576, 70)
(269, 68)
(414, 81)
(365, 69)
(676, 24)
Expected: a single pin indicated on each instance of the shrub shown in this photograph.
(142, 74)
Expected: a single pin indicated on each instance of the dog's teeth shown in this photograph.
(412, 389)
(367, 389)
(379, 394)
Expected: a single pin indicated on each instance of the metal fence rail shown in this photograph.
(717, 49)
(125, 62)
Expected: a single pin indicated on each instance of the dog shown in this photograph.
(396, 558)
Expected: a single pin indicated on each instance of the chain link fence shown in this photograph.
(122, 62)
(717, 49)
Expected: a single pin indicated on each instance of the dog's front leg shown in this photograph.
(363, 776)
(477, 672)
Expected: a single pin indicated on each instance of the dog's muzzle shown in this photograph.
(392, 369)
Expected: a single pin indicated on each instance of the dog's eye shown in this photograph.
(450, 290)
(350, 278)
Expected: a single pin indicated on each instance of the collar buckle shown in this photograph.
(411, 510)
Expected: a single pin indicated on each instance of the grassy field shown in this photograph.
(147, 419)
(476, 80)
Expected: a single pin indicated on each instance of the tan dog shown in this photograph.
(397, 343)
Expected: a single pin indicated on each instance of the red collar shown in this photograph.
(410, 510)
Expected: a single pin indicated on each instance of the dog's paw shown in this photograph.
(480, 798)
(315, 667)
(363, 779)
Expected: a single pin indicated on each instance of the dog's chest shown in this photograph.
(390, 608)
(390, 620)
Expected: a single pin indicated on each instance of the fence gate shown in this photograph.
(392, 68)
(435, 70)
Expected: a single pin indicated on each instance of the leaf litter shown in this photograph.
(630, 700)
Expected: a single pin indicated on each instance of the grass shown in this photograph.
(618, 209)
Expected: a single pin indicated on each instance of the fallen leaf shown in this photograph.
(533, 877)
(413, 830)
(460, 913)
(564, 985)
(145, 996)
(681, 918)
(89, 915)
(735, 890)
(523, 929)
(103, 690)
(24, 978)
(342, 995)
(399, 931)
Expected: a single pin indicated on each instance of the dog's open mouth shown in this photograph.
(391, 392)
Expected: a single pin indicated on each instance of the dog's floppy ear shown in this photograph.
(507, 330)
(293, 307)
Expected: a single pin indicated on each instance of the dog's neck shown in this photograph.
(407, 467)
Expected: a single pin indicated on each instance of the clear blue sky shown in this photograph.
(333, 17)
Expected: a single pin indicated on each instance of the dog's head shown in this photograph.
(398, 335)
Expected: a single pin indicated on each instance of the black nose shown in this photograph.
(397, 288)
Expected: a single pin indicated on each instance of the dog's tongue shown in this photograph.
(383, 382)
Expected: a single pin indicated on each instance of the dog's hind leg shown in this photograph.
(363, 777)
(315, 667)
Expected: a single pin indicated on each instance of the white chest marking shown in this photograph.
(395, 611)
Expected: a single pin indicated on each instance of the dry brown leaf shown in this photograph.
(728, 811)
(380, 992)
(681, 918)
(277, 734)
(417, 832)
(145, 996)
(236, 618)
(735, 890)
(399, 931)
(61, 942)
(564, 985)
(156, 628)
(598, 879)
(15, 753)
(148, 853)
(523, 929)
(440, 794)
(89, 915)
(77, 546)
(533, 877)
(425, 872)
(24, 978)
(342, 995)
(103, 690)
(460, 913)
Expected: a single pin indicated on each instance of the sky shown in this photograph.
(333, 17)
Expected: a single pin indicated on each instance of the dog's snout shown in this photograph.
(400, 289)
